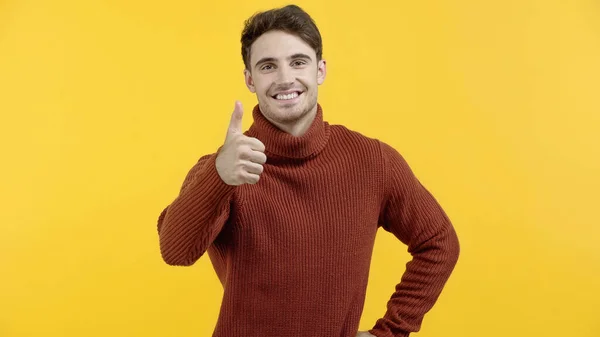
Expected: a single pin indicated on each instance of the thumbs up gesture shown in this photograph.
(241, 158)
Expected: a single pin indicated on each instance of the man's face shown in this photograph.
(284, 73)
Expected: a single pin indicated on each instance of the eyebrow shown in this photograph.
(272, 59)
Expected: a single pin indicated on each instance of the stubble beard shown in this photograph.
(288, 115)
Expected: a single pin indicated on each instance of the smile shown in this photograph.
(287, 96)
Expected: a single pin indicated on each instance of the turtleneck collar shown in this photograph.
(279, 143)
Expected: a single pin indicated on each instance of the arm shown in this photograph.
(413, 215)
(190, 224)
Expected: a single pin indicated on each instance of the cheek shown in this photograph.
(262, 85)
(263, 90)
(309, 78)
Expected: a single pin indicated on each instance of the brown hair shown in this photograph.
(290, 19)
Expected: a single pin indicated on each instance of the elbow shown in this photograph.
(177, 260)
(452, 248)
(178, 263)
(443, 248)
(173, 251)
(178, 256)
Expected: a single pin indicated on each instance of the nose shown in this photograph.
(285, 76)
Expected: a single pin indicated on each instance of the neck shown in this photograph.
(302, 140)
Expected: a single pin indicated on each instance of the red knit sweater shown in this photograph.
(293, 251)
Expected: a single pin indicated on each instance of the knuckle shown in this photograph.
(243, 154)
(253, 179)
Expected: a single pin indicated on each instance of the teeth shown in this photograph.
(288, 96)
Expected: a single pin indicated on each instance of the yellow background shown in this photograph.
(105, 106)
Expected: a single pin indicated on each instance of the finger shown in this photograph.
(251, 178)
(246, 154)
(257, 157)
(235, 125)
(253, 168)
(255, 144)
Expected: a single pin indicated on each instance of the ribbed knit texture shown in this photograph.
(293, 251)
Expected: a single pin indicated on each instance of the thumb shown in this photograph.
(235, 125)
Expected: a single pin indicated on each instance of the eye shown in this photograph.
(266, 67)
(298, 63)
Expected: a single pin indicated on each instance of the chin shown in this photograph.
(287, 115)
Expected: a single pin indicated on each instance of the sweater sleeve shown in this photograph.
(414, 216)
(190, 224)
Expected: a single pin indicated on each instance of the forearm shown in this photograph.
(192, 221)
(421, 285)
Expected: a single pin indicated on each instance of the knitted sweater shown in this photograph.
(293, 251)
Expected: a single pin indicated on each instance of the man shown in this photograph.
(288, 210)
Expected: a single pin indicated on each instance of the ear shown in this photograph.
(321, 72)
(249, 81)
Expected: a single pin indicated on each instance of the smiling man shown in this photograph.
(288, 211)
(284, 72)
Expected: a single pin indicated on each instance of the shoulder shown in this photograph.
(344, 135)
(341, 133)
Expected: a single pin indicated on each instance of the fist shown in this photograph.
(241, 158)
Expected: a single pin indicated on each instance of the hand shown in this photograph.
(364, 334)
(241, 158)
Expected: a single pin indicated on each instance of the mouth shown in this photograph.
(287, 97)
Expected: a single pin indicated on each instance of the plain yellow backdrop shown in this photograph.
(106, 105)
